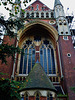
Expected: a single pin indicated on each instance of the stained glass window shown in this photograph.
(46, 57)
(49, 97)
(27, 60)
(37, 96)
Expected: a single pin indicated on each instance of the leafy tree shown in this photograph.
(9, 89)
(7, 50)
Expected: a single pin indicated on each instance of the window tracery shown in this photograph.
(45, 56)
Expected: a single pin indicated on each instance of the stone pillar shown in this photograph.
(49, 15)
(34, 14)
(39, 14)
(44, 14)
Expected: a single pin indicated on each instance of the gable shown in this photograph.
(38, 5)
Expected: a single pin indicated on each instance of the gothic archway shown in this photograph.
(38, 40)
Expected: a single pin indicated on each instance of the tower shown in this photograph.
(63, 27)
(66, 52)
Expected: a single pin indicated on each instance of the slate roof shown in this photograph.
(57, 2)
(37, 79)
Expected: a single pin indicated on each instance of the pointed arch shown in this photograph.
(52, 31)
(37, 92)
(26, 95)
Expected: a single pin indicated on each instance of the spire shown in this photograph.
(37, 78)
(57, 2)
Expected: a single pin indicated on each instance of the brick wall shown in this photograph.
(31, 98)
(7, 68)
(58, 63)
(68, 64)
(35, 5)
(43, 98)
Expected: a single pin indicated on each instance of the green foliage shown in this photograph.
(62, 95)
(8, 50)
(3, 73)
(73, 89)
(9, 89)
(5, 49)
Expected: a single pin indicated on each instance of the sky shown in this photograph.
(70, 4)
(66, 3)
(50, 3)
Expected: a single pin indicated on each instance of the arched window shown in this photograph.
(47, 58)
(52, 15)
(22, 98)
(37, 7)
(32, 8)
(42, 15)
(49, 97)
(22, 14)
(37, 97)
(27, 15)
(32, 14)
(37, 14)
(43, 8)
(47, 15)
(26, 97)
(27, 60)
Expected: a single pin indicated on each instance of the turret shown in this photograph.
(58, 9)
(57, 2)
(63, 27)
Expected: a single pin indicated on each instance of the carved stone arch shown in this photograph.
(49, 92)
(37, 92)
(26, 93)
(52, 32)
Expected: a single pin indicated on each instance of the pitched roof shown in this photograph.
(38, 1)
(57, 2)
(37, 79)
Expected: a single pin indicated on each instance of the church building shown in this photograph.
(48, 61)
